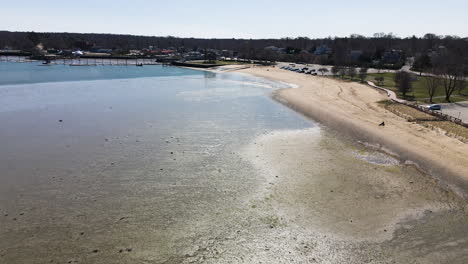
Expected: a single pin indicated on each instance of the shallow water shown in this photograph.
(166, 165)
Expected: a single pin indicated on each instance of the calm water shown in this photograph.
(153, 164)
(35, 72)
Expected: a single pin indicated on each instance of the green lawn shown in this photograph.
(219, 62)
(419, 92)
(231, 62)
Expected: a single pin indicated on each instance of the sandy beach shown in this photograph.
(352, 109)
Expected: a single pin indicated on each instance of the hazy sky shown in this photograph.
(238, 19)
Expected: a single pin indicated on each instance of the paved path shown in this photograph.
(458, 110)
(391, 94)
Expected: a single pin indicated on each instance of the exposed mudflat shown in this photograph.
(344, 208)
(204, 169)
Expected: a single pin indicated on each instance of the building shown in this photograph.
(194, 55)
(355, 55)
(392, 56)
(322, 50)
(275, 49)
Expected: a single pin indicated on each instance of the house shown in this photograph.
(135, 53)
(322, 50)
(77, 53)
(100, 50)
(392, 56)
(53, 51)
(355, 55)
(227, 53)
(275, 49)
(194, 55)
(167, 52)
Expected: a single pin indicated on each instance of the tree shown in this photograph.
(403, 82)
(34, 37)
(432, 84)
(351, 72)
(335, 70)
(342, 72)
(323, 70)
(363, 73)
(422, 63)
(451, 70)
(451, 79)
(461, 85)
(380, 80)
(210, 57)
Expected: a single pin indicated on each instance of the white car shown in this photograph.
(434, 107)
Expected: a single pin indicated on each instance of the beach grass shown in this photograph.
(426, 120)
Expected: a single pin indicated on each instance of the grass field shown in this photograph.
(419, 92)
(219, 62)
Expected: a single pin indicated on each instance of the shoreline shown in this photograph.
(351, 109)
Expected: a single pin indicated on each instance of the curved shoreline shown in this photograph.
(351, 109)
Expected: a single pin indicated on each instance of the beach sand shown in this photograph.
(352, 109)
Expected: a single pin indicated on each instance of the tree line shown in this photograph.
(293, 49)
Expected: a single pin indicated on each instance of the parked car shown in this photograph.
(434, 107)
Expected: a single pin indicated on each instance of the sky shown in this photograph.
(238, 18)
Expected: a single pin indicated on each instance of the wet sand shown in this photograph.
(352, 109)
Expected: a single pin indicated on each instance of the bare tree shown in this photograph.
(379, 80)
(323, 70)
(342, 72)
(210, 57)
(403, 82)
(461, 85)
(451, 70)
(335, 70)
(432, 84)
(363, 73)
(451, 79)
(351, 72)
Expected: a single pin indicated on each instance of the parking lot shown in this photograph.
(311, 68)
(458, 110)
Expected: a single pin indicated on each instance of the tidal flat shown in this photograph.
(180, 166)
